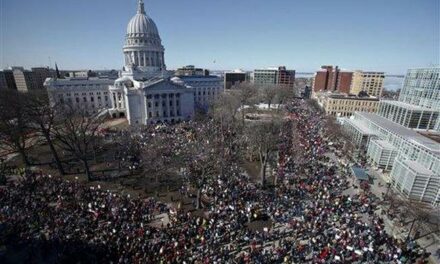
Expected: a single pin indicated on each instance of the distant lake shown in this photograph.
(391, 83)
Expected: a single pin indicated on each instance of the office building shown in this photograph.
(422, 87)
(265, 76)
(25, 80)
(90, 94)
(369, 82)
(234, 78)
(7, 80)
(285, 78)
(343, 105)
(40, 76)
(332, 79)
(408, 115)
(307, 92)
(390, 142)
(205, 89)
(280, 77)
(191, 70)
(418, 106)
(414, 160)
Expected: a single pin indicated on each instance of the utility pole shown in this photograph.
(410, 229)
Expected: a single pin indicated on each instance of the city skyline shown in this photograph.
(233, 38)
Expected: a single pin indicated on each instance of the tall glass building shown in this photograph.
(418, 106)
(422, 88)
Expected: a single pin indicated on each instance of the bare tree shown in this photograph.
(129, 150)
(42, 115)
(268, 94)
(77, 133)
(247, 95)
(203, 161)
(161, 156)
(226, 107)
(263, 139)
(335, 132)
(229, 131)
(425, 219)
(15, 132)
(315, 106)
(284, 94)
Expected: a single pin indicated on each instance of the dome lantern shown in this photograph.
(141, 7)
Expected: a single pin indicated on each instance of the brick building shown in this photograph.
(332, 79)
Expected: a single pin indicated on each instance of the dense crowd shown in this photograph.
(307, 218)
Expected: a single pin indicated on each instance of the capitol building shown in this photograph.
(145, 92)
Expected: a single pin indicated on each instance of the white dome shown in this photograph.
(140, 25)
(143, 46)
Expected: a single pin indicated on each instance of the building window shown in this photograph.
(149, 104)
(92, 99)
(85, 99)
(171, 103)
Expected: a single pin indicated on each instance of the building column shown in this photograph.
(157, 59)
(175, 105)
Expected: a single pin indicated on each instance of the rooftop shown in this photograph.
(402, 131)
(365, 130)
(417, 167)
(431, 135)
(353, 97)
(384, 144)
(406, 105)
(359, 173)
(199, 77)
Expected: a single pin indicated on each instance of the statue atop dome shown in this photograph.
(141, 7)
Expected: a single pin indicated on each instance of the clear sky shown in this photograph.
(386, 35)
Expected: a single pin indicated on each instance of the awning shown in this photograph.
(360, 173)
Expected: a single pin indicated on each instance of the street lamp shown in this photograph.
(2, 171)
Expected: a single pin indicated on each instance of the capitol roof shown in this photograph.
(141, 23)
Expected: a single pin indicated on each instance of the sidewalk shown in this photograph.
(429, 243)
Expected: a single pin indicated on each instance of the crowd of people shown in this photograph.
(307, 217)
